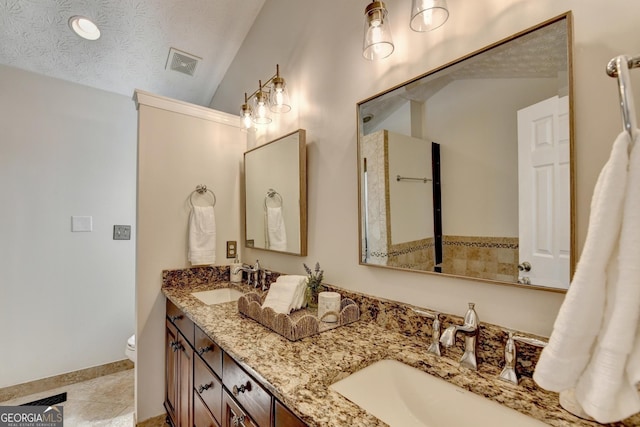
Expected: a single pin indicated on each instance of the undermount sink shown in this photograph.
(401, 395)
(218, 296)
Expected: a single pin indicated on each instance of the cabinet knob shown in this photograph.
(204, 387)
(203, 350)
(174, 345)
(242, 388)
(174, 318)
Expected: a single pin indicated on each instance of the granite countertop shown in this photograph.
(299, 373)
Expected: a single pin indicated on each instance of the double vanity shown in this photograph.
(236, 372)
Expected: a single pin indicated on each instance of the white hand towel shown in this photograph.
(286, 294)
(202, 235)
(301, 286)
(276, 231)
(280, 297)
(594, 344)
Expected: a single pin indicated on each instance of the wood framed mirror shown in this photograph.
(467, 170)
(276, 195)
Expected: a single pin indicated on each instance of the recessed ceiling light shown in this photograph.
(84, 27)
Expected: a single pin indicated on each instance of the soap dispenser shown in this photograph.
(236, 271)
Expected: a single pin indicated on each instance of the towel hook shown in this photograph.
(201, 189)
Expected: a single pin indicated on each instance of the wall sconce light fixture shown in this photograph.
(377, 33)
(269, 97)
(426, 15)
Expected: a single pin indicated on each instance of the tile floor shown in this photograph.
(103, 401)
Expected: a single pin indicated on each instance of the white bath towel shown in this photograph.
(276, 232)
(202, 235)
(285, 294)
(595, 347)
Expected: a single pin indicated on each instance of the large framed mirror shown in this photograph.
(466, 170)
(276, 195)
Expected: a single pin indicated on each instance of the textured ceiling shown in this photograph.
(134, 46)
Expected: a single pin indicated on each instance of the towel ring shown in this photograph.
(274, 196)
(201, 189)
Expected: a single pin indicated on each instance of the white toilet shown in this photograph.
(130, 350)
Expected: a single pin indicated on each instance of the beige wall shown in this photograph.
(66, 299)
(479, 151)
(179, 147)
(327, 76)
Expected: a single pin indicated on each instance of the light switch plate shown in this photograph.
(81, 223)
(121, 232)
(232, 248)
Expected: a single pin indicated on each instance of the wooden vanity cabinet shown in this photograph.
(202, 417)
(233, 415)
(178, 368)
(285, 418)
(249, 393)
(205, 387)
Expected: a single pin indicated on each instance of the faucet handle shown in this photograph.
(434, 348)
(510, 354)
(263, 280)
(531, 341)
(471, 317)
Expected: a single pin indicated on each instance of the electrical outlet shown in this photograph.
(121, 232)
(231, 248)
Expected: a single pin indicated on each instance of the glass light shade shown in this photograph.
(377, 42)
(245, 115)
(427, 15)
(279, 96)
(261, 110)
(84, 27)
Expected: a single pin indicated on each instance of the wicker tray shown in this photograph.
(298, 324)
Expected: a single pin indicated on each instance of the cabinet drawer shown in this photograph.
(201, 415)
(182, 322)
(208, 387)
(233, 415)
(209, 351)
(286, 418)
(248, 392)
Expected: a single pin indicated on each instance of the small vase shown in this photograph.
(311, 297)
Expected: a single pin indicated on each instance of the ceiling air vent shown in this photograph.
(182, 62)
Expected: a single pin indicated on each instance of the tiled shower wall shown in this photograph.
(494, 258)
(416, 255)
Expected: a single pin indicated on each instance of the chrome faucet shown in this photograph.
(510, 355)
(434, 348)
(471, 330)
(250, 270)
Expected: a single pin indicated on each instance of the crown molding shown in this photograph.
(149, 99)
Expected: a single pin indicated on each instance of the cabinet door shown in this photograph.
(285, 418)
(171, 371)
(201, 415)
(233, 415)
(178, 378)
(185, 383)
